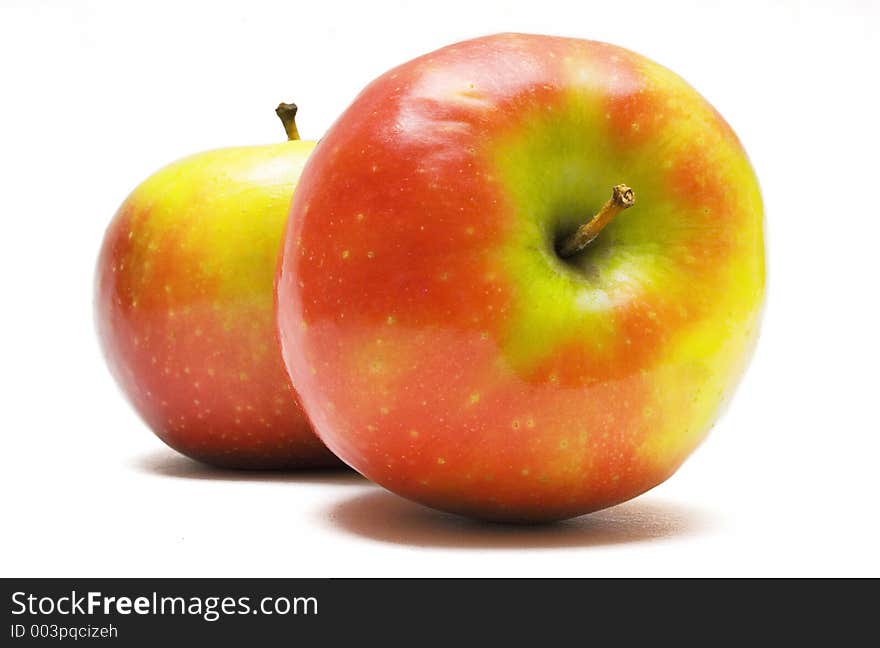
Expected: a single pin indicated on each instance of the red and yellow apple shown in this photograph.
(440, 341)
(184, 306)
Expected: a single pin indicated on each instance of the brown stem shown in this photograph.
(287, 113)
(622, 197)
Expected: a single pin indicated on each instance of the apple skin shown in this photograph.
(439, 344)
(185, 309)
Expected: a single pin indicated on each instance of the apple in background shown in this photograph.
(468, 314)
(184, 306)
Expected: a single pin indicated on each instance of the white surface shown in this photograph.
(98, 95)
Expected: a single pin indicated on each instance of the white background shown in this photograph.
(98, 95)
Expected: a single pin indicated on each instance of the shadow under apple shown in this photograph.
(384, 517)
(170, 464)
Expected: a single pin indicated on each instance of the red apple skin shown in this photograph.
(438, 344)
(184, 308)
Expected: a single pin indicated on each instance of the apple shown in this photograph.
(184, 306)
(477, 317)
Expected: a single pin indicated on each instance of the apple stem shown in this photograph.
(622, 197)
(287, 113)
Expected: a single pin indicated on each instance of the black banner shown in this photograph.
(257, 612)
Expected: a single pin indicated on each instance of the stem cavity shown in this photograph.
(622, 197)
